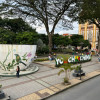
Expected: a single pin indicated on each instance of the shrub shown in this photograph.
(78, 68)
(67, 50)
(39, 60)
(81, 61)
(44, 50)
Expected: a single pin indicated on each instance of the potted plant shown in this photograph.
(66, 67)
(78, 71)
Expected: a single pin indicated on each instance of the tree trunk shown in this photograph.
(66, 75)
(99, 41)
(50, 42)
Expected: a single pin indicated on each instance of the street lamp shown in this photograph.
(80, 71)
(81, 54)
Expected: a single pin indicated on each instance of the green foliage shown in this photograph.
(0, 86)
(45, 50)
(37, 13)
(67, 66)
(76, 40)
(89, 11)
(44, 38)
(61, 71)
(15, 25)
(26, 38)
(16, 31)
(64, 56)
(14, 61)
(40, 60)
(41, 47)
(40, 44)
(67, 50)
(86, 43)
(64, 68)
(24, 57)
(60, 40)
(78, 67)
(82, 61)
(11, 65)
(7, 36)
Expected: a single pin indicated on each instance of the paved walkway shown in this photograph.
(43, 83)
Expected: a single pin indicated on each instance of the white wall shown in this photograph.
(17, 49)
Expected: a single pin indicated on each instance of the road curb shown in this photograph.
(71, 86)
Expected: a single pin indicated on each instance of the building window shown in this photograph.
(90, 35)
(97, 35)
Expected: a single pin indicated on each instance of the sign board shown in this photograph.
(73, 59)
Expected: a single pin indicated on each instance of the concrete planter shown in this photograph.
(69, 83)
(77, 73)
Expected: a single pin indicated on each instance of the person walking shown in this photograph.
(18, 71)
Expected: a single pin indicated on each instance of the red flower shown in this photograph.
(65, 61)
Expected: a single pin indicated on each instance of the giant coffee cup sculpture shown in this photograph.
(12, 56)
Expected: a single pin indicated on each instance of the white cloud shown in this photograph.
(41, 29)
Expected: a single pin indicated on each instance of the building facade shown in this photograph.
(90, 32)
(67, 34)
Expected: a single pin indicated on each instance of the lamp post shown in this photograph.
(80, 71)
(81, 54)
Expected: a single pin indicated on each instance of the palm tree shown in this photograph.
(66, 67)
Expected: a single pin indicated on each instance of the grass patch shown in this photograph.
(64, 56)
(41, 59)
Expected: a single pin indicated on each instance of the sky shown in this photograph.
(57, 30)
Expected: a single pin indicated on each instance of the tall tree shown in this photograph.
(76, 40)
(46, 12)
(7, 36)
(44, 38)
(26, 38)
(60, 40)
(88, 11)
(15, 25)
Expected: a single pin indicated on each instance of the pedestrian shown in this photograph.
(35, 57)
(18, 71)
(54, 55)
(99, 58)
(50, 57)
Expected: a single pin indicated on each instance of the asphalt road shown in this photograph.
(89, 90)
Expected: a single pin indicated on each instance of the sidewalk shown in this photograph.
(42, 94)
(45, 82)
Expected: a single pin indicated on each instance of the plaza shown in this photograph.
(43, 83)
(41, 51)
